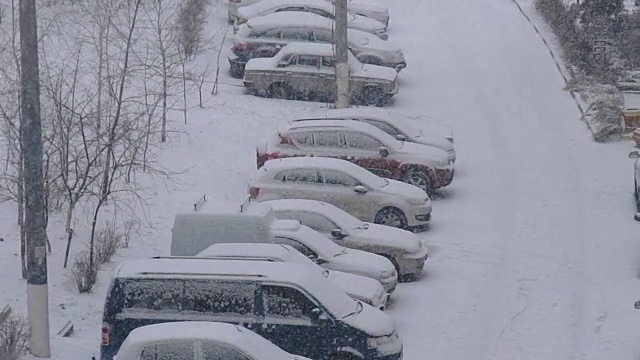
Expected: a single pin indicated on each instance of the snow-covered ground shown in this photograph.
(533, 248)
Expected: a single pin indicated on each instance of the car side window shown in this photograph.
(286, 302)
(383, 126)
(301, 176)
(219, 297)
(361, 141)
(328, 139)
(323, 36)
(295, 34)
(215, 351)
(321, 12)
(337, 178)
(307, 61)
(271, 34)
(173, 350)
(329, 62)
(305, 250)
(153, 294)
(315, 221)
(302, 139)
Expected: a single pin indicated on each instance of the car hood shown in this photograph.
(363, 22)
(434, 154)
(259, 64)
(356, 286)
(375, 72)
(405, 190)
(361, 263)
(382, 235)
(430, 139)
(364, 40)
(369, 6)
(372, 321)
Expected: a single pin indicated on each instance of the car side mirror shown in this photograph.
(360, 189)
(317, 315)
(401, 137)
(634, 155)
(383, 151)
(338, 234)
(283, 64)
(637, 304)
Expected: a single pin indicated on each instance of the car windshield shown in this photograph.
(368, 178)
(319, 243)
(343, 218)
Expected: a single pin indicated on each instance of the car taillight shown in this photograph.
(254, 192)
(104, 332)
(239, 47)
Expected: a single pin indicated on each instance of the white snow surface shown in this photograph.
(534, 252)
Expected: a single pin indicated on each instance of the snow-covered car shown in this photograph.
(199, 340)
(307, 71)
(345, 185)
(404, 248)
(264, 36)
(319, 7)
(358, 287)
(329, 255)
(370, 8)
(397, 126)
(365, 145)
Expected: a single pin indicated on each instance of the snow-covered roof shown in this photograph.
(305, 162)
(333, 298)
(320, 49)
(228, 207)
(369, 129)
(227, 334)
(364, 112)
(290, 19)
(265, 5)
(273, 251)
(332, 212)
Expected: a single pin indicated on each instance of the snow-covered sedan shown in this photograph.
(264, 36)
(365, 145)
(358, 287)
(397, 126)
(307, 71)
(319, 7)
(199, 340)
(373, 9)
(403, 248)
(345, 185)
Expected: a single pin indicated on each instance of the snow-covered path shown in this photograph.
(534, 254)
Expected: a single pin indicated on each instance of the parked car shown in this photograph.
(370, 8)
(290, 305)
(308, 71)
(345, 185)
(358, 287)
(264, 36)
(395, 125)
(198, 340)
(318, 7)
(365, 145)
(636, 176)
(403, 248)
(195, 231)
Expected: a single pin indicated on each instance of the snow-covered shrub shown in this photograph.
(14, 334)
(604, 114)
(108, 241)
(84, 272)
(630, 40)
(192, 17)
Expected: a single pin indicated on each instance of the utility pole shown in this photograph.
(34, 220)
(342, 54)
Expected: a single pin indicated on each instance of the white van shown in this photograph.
(195, 231)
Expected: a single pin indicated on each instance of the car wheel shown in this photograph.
(373, 95)
(419, 179)
(391, 216)
(343, 356)
(279, 91)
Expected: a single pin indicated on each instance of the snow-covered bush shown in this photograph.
(108, 241)
(84, 272)
(192, 17)
(14, 335)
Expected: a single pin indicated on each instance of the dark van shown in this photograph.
(290, 305)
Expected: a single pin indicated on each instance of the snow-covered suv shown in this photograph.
(365, 145)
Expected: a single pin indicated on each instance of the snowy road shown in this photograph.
(534, 249)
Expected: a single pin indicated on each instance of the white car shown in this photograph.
(198, 340)
(319, 7)
(370, 8)
(405, 249)
(397, 126)
(345, 185)
(329, 255)
(358, 287)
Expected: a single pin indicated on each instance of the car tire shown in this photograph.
(344, 356)
(418, 178)
(279, 91)
(391, 216)
(373, 95)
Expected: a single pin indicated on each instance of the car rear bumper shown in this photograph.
(237, 65)
(444, 177)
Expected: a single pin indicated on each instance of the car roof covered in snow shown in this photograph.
(300, 204)
(320, 49)
(272, 251)
(320, 163)
(265, 5)
(360, 126)
(223, 333)
(336, 301)
(290, 19)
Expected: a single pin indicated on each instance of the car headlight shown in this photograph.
(374, 342)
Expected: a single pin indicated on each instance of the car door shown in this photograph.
(291, 321)
(327, 143)
(364, 150)
(299, 184)
(305, 72)
(339, 190)
(327, 77)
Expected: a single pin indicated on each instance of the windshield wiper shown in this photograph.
(358, 309)
(344, 251)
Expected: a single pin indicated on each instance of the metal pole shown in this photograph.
(34, 221)
(342, 54)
